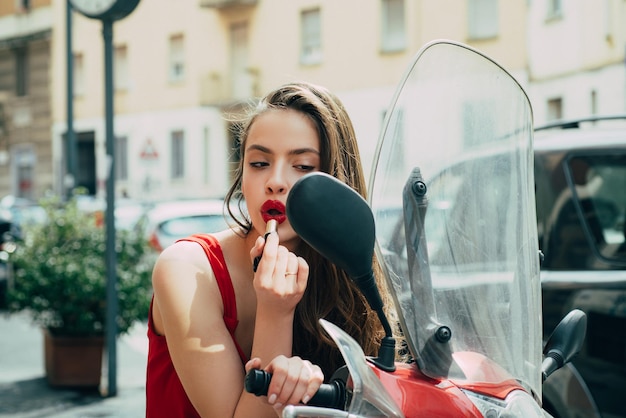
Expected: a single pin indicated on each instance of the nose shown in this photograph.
(277, 181)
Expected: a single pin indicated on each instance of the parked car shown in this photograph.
(23, 211)
(128, 213)
(580, 183)
(580, 176)
(168, 221)
(15, 214)
(6, 226)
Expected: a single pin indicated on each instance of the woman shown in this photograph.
(214, 317)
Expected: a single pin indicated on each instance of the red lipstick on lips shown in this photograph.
(273, 209)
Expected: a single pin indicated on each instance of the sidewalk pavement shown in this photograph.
(24, 392)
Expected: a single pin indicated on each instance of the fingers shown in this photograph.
(271, 273)
(253, 363)
(264, 252)
(315, 381)
(303, 274)
(293, 381)
(278, 269)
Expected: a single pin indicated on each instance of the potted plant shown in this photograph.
(59, 277)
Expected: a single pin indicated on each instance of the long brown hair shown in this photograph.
(330, 293)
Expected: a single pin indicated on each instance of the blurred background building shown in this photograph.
(183, 69)
(26, 36)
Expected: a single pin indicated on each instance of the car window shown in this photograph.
(599, 185)
(193, 225)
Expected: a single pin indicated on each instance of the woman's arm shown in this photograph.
(189, 308)
(188, 311)
(279, 284)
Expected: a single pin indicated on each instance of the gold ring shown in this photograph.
(290, 273)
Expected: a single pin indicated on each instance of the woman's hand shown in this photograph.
(279, 283)
(294, 380)
(281, 276)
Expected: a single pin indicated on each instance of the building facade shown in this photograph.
(26, 162)
(576, 58)
(184, 70)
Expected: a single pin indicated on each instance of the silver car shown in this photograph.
(169, 221)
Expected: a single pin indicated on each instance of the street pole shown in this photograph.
(108, 12)
(111, 259)
(69, 180)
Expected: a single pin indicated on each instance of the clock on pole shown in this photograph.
(104, 9)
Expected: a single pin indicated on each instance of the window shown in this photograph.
(24, 160)
(482, 19)
(23, 5)
(178, 155)
(393, 36)
(311, 52)
(121, 158)
(555, 9)
(239, 67)
(21, 71)
(78, 75)
(120, 68)
(177, 58)
(555, 109)
(600, 184)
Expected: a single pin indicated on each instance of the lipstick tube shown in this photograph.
(270, 227)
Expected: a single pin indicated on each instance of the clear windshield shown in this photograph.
(453, 200)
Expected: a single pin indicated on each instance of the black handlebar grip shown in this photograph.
(257, 382)
(329, 395)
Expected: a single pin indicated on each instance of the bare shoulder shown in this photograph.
(184, 267)
(182, 252)
(181, 263)
(184, 288)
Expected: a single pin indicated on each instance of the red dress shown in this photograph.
(165, 396)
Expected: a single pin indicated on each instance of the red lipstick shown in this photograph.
(273, 209)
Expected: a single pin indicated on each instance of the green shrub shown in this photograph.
(59, 273)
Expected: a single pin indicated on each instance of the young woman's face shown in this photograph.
(281, 147)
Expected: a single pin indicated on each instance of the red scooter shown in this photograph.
(462, 262)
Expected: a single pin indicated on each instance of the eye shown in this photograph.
(258, 164)
(304, 167)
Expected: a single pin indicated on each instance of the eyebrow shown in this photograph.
(296, 151)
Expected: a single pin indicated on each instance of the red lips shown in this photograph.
(273, 209)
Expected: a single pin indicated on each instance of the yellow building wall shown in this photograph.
(9, 7)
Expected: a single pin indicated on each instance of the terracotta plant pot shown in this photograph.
(73, 361)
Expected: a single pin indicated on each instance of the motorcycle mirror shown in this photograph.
(564, 343)
(336, 221)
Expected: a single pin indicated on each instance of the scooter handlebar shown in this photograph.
(329, 395)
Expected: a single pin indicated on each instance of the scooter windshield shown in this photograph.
(452, 191)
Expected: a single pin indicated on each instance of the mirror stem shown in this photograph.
(386, 359)
(387, 351)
